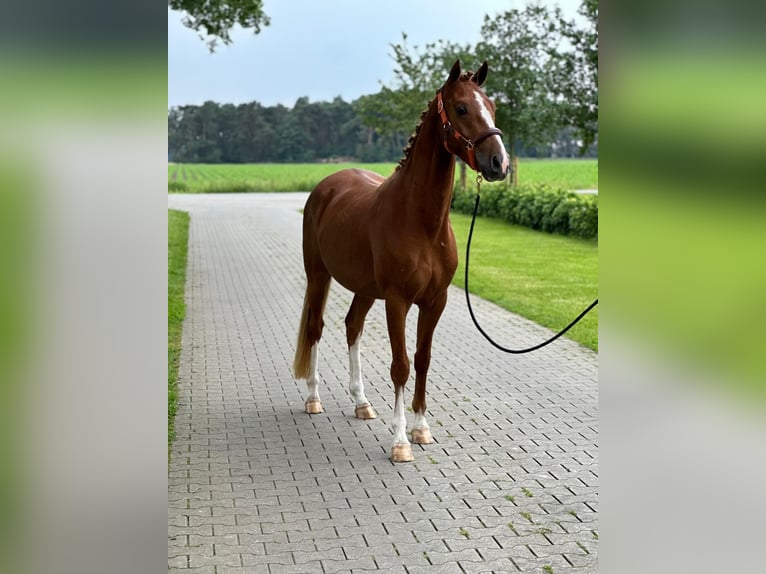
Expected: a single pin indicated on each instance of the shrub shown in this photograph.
(537, 206)
(583, 218)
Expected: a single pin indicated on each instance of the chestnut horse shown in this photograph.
(391, 239)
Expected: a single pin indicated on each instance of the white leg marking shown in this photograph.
(313, 381)
(421, 432)
(400, 422)
(420, 421)
(356, 387)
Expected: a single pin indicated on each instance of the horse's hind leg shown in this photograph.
(360, 306)
(316, 294)
(428, 317)
(311, 326)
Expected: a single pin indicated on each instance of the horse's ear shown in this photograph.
(481, 75)
(454, 73)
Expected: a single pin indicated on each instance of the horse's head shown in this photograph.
(468, 121)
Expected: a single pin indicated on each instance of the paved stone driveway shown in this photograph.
(257, 485)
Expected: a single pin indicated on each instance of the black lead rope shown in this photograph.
(468, 299)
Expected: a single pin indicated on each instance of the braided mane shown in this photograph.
(411, 142)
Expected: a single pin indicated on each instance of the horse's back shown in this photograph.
(343, 195)
(352, 186)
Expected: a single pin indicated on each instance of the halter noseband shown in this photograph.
(468, 143)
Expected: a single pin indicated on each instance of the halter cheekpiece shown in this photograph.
(468, 143)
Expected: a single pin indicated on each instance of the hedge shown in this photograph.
(178, 186)
(540, 207)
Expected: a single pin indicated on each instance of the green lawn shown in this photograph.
(546, 278)
(563, 173)
(255, 177)
(178, 232)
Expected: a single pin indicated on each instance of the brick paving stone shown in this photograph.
(256, 485)
(447, 568)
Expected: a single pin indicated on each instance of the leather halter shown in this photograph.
(468, 143)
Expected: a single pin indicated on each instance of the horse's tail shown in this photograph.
(302, 361)
(310, 329)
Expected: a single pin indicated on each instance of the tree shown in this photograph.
(523, 48)
(217, 17)
(579, 75)
(417, 76)
(394, 111)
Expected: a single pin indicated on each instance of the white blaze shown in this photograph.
(505, 162)
(487, 117)
(484, 111)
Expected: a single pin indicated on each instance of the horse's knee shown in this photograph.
(422, 361)
(400, 371)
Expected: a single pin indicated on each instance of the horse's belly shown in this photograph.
(360, 288)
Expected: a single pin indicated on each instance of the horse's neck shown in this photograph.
(426, 177)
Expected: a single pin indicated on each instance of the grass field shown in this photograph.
(564, 173)
(263, 177)
(546, 278)
(178, 232)
(228, 178)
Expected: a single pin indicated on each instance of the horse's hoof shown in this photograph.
(314, 406)
(365, 412)
(401, 453)
(422, 436)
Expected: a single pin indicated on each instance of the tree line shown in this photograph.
(253, 133)
(543, 78)
(307, 132)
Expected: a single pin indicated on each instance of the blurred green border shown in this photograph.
(683, 224)
(51, 86)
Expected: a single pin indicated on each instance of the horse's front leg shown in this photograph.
(428, 317)
(354, 326)
(396, 316)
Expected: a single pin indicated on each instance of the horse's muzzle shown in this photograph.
(497, 167)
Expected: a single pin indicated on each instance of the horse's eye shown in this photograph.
(461, 110)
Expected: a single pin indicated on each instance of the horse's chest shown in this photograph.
(417, 266)
(432, 270)
(443, 258)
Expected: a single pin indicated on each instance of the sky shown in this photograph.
(320, 49)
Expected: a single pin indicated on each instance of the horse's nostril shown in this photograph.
(495, 162)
